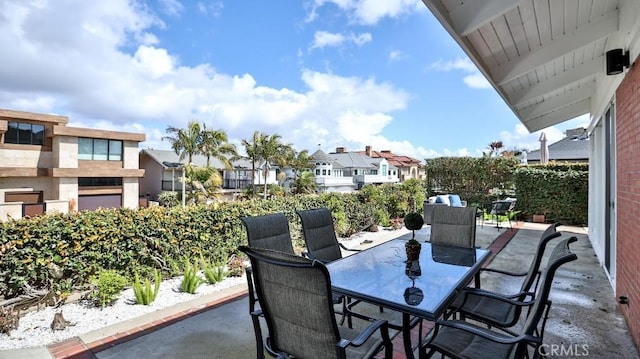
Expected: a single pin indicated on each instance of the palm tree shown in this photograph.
(271, 150)
(215, 144)
(185, 142)
(495, 147)
(251, 147)
(305, 183)
(299, 162)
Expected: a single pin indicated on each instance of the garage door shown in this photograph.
(96, 201)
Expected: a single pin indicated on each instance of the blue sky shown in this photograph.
(320, 73)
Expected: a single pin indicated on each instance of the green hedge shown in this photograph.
(81, 244)
(478, 180)
(559, 191)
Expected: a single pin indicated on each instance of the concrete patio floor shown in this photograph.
(584, 319)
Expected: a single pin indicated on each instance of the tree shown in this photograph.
(495, 147)
(215, 144)
(271, 150)
(299, 162)
(185, 142)
(305, 183)
(251, 148)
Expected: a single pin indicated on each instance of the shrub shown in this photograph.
(235, 266)
(191, 280)
(144, 293)
(214, 274)
(108, 285)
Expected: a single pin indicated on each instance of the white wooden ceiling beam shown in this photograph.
(561, 115)
(572, 41)
(554, 102)
(561, 80)
(469, 16)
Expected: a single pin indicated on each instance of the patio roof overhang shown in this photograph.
(545, 58)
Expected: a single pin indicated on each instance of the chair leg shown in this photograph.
(258, 333)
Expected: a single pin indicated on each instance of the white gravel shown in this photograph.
(34, 329)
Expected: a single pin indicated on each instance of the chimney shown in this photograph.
(367, 150)
(339, 149)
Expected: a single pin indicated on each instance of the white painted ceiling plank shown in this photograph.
(552, 103)
(553, 118)
(471, 15)
(570, 42)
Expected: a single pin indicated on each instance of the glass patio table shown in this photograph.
(381, 275)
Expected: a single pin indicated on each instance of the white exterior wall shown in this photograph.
(65, 152)
(26, 158)
(597, 182)
(130, 155)
(11, 210)
(130, 192)
(44, 184)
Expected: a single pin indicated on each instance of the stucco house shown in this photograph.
(408, 167)
(46, 166)
(329, 174)
(552, 61)
(364, 169)
(163, 172)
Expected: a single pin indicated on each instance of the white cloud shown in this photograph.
(322, 39)
(171, 7)
(367, 12)
(213, 8)
(474, 79)
(395, 55)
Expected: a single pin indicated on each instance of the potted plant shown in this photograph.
(413, 221)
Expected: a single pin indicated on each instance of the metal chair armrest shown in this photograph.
(380, 324)
(348, 249)
(493, 336)
(503, 298)
(500, 271)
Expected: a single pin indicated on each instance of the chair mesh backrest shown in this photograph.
(295, 297)
(269, 231)
(319, 234)
(561, 254)
(548, 234)
(454, 226)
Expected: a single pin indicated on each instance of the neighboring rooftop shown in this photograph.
(573, 148)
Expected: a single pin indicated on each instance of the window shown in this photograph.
(24, 134)
(317, 172)
(355, 172)
(99, 181)
(99, 149)
(324, 172)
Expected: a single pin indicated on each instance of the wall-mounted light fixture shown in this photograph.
(617, 60)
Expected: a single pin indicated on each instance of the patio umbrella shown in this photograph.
(544, 149)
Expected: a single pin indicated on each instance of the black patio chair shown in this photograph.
(268, 232)
(320, 235)
(460, 339)
(296, 300)
(483, 306)
(454, 226)
(503, 208)
(322, 244)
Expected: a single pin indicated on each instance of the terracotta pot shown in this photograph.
(538, 218)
